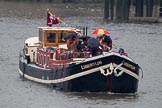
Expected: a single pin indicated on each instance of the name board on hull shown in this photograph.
(129, 66)
(90, 65)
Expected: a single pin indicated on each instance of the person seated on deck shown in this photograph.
(93, 45)
(80, 45)
(71, 44)
(71, 41)
(106, 42)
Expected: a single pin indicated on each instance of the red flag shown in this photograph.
(56, 20)
(51, 19)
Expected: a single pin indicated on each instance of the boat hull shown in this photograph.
(105, 73)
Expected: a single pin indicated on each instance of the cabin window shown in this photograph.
(61, 37)
(51, 37)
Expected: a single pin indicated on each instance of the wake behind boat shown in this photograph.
(51, 59)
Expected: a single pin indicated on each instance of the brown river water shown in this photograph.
(19, 21)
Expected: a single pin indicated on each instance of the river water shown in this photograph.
(19, 21)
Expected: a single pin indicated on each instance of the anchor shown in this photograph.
(111, 69)
(108, 71)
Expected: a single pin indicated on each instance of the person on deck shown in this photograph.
(93, 46)
(72, 41)
(80, 45)
(71, 44)
(106, 42)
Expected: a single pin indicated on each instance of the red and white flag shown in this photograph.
(52, 19)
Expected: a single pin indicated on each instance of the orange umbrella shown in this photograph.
(100, 32)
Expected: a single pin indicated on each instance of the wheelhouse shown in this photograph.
(54, 36)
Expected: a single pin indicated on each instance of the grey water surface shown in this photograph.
(20, 20)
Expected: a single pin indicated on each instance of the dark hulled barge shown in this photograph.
(47, 59)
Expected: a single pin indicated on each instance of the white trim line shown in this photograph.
(77, 75)
(128, 72)
(66, 78)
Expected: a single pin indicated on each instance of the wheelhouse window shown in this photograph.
(61, 37)
(51, 37)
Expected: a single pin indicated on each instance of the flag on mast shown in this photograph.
(52, 19)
